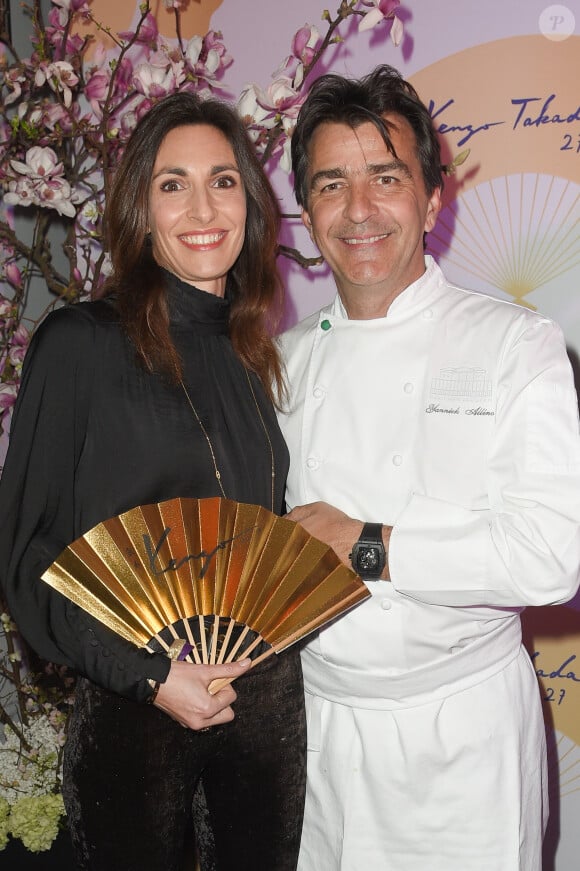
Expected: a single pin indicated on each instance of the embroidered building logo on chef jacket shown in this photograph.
(461, 390)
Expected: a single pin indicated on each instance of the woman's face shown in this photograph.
(197, 206)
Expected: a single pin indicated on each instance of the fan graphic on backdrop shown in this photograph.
(514, 234)
(568, 753)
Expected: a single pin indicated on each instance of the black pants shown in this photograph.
(131, 773)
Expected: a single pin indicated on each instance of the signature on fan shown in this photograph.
(174, 564)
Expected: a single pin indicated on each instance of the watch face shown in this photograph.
(368, 558)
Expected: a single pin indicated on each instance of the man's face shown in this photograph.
(367, 210)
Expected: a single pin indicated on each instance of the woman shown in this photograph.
(161, 390)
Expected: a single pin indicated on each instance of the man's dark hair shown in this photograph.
(338, 100)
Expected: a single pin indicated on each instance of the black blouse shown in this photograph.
(94, 434)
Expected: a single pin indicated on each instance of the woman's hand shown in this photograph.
(185, 697)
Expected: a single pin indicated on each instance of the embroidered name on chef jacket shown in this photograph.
(461, 390)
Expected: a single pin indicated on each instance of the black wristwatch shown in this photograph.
(368, 555)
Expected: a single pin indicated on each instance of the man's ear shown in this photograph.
(433, 209)
(306, 221)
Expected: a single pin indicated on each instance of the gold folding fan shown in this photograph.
(214, 579)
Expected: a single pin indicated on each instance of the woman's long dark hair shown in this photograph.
(253, 285)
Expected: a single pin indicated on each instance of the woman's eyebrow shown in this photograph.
(180, 171)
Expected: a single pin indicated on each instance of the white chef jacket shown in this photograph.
(454, 420)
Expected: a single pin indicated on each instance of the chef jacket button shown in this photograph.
(428, 314)
(386, 604)
(408, 387)
(397, 460)
(312, 463)
(319, 392)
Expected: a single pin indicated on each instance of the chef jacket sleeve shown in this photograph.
(522, 547)
(37, 510)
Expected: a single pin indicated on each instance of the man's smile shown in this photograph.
(364, 240)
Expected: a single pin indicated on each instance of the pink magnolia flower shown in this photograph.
(40, 163)
(6, 311)
(158, 81)
(56, 29)
(193, 49)
(60, 76)
(248, 107)
(96, 89)
(14, 79)
(18, 346)
(147, 35)
(381, 10)
(206, 55)
(13, 275)
(124, 73)
(286, 157)
(73, 5)
(54, 113)
(8, 392)
(20, 193)
(281, 96)
(305, 42)
(212, 61)
(213, 42)
(32, 113)
(41, 182)
(55, 193)
(129, 119)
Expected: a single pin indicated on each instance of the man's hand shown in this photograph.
(330, 525)
(185, 696)
(336, 529)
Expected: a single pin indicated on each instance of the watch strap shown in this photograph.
(372, 532)
(368, 555)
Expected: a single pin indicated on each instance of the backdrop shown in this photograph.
(502, 80)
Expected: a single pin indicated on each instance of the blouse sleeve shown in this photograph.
(37, 509)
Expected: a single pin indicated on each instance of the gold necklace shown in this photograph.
(210, 446)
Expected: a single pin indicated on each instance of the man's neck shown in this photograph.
(365, 306)
(368, 303)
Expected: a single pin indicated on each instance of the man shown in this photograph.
(434, 442)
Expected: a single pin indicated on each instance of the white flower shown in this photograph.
(14, 79)
(20, 193)
(41, 182)
(212, 61)
(60, 76)
(91, 211)
(193, 49)
(281, 93)
(286, 158)
(34, 772)
(248, 107)
(56, 194)
(383, 10)
(40, 163)
(157, 81)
